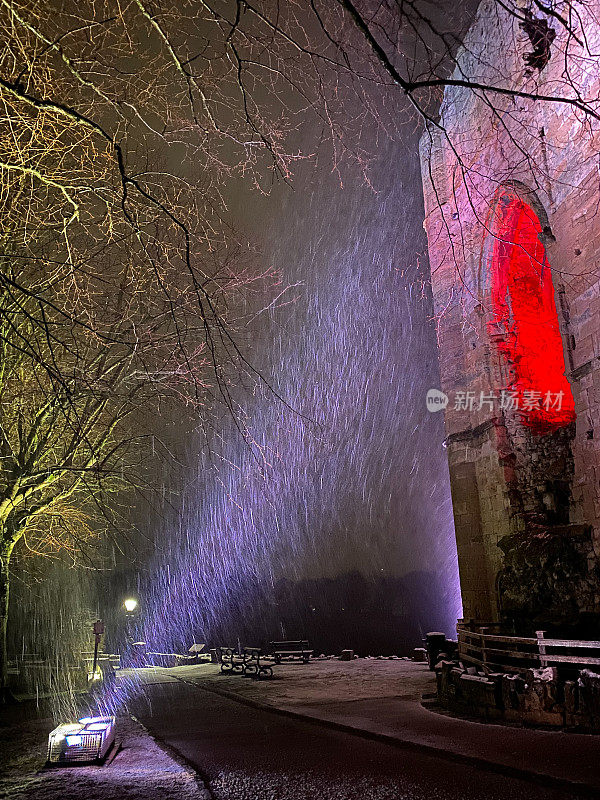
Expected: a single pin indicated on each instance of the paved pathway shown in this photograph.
(249, 753)
(383, 699)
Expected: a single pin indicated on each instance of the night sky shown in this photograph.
(352, 478)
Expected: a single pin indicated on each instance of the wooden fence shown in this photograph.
(497, 653)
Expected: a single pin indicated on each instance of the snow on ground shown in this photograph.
(319, 681)
(141, 770)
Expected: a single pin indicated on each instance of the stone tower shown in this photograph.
(513, 225)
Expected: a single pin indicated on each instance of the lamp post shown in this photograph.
(131, 608)
(98, 628)
(130, 604)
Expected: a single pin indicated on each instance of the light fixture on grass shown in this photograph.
(85, 741)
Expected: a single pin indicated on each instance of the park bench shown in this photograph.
(231, 661)
(247, 663)
(254, 666)
(291, 650)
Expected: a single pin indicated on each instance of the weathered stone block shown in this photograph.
(589, 698)
(444, 680)
(512, 691)
(478, 693)
(541, 702)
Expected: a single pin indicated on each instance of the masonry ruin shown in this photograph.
(512, 206)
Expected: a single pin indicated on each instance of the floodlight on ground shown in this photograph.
(85, 741)
(130, 605)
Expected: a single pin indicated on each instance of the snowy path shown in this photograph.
(247, 753)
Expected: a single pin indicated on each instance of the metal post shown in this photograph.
(98, 629)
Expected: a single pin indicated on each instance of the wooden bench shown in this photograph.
(299, 649)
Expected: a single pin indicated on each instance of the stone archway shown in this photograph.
(523, 319)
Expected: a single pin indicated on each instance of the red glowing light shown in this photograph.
(525, 322)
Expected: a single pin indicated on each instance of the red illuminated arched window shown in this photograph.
(524, 320)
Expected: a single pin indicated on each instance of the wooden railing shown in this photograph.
(497, 653)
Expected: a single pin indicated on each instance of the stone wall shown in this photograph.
(509, 484)
(538, 697)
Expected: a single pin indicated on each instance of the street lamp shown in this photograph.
(130, 605)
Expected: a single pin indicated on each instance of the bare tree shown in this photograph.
(118, 269)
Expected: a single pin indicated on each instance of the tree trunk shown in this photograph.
(5, 555)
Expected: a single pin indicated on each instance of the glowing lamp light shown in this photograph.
(130, 605)
(73, 739)
(90, 722)
(97, 726)
(70, 727)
